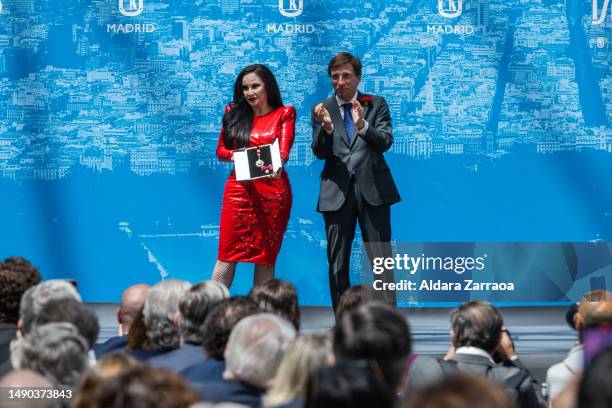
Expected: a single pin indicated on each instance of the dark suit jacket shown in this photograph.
(231, 391)
(179, 359)
(116, 343)
(362, 158)
(209, 370)
(426, 370)
(7, 334)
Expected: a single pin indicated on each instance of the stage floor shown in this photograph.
(541, 335)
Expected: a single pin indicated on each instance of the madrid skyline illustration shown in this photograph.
(494, 103)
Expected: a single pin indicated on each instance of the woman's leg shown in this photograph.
(224, 273)
(263, 273)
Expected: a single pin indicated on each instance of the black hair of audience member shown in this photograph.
(277, 297)
(477, 324)
(195, 305)
(570, 316)
(137, 336)
(16, 276)
(220, 322)
(71, 311)
(375, 331)
(143, 387)
(460, 390)
(356, 384)
(596, 385)
(351, 299)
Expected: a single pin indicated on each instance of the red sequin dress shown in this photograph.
(255, 213)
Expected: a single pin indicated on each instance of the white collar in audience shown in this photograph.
(475, 351)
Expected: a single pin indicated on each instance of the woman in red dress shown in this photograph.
(255, 213)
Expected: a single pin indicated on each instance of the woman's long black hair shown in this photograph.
(238, 122)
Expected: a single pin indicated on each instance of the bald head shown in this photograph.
(26, 379)
(595, 308)
(132, 301)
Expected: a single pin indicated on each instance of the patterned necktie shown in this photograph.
(349, 125)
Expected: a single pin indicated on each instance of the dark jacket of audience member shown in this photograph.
(595, 389)
(377, 333)
(477, 331)
(278, 297)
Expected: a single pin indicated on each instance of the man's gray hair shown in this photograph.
(256, 346)
(36, 297)
(195, 305)
(159, 311)
(55, 350)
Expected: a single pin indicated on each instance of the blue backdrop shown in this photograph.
(110, 111)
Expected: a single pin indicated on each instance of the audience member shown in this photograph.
(142, 387)
(351, 299)
(21, 379)
(54, 350)
(595, 389)
(375, 332)
(305, 357)
(215, 332)
(16, 276)
(278, 297)
(356, 384)
(194, 306)
(35, 298)
(71, 311)
(477, 332)
(132, 302)
(32, 302)
(461, 390)
(594, 306)
(106, 368)
(159, 312)
(253, 353)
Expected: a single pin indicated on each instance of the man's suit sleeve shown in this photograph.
(379, 135)
(321, 141)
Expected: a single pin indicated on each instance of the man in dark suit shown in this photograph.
(132, 301)
(351, 131)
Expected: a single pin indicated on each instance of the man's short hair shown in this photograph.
(220, 322)
(477, 324)
(16, 276)
(278, 297)
(344, 58)
(54, 350)
(256, 347)
(159, 311)
(35, 298)
(195, 305)
(71, 311)
(375, 332)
